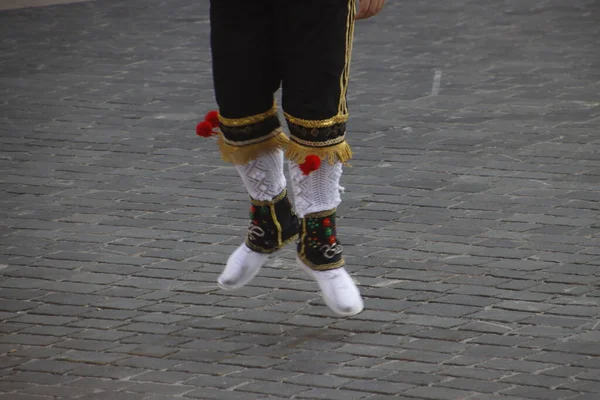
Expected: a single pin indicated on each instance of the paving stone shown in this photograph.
(474, 373)
(169, 377)
(500, 340)
(501, 315)
(220, 394)
(365, 351)
(469, 213)
(360, 326)
(107, 371)
(323, 393)
(148, 350)
(549, 320)
(564, 372)
(577, 348)
(8, 362)
(375, 339)
(40, 378)
(386, 397)
(100, 334)
(422, 356)
(427, 321)
(590, 362)
(515, 365)
(97, 384)
(316, 356)
(144, 327)
(61, 310)
(434, 345)
(359, 373)
(84, 344)
(535, 380)
(376, 386)
(476, 301)
(475, 385)
(31, 340)
(155, 388)
(252, 361)
(43, 319)
(90, 357)
(436, 393)
(58, 331)
(558, 357)
(96, 323)
(116, 396)
(586, 396)
(50, 366)
(64, 392)
(16, 305)
(284, 389)
(531, 392)
(210, 329)
(124, 304)
(204, 356)
(16, 396)
(14, 386)
(198, 367)
(316, 380)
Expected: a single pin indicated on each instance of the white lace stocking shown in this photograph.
(263, 177)
(318, 191)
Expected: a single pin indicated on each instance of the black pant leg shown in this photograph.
(315, 45)
(246, 73)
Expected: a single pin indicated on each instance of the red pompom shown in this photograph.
(204, 129)
(311, 163)
(212, 118)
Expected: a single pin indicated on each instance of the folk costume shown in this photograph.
(304, 46)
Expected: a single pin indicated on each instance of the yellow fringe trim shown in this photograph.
(241, 155)
(340, 152)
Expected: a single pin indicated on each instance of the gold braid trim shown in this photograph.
(324, 123)
(241, 155)
(340, 152)
(321, 214)
(277, 199)
(253, 119)
(324, 267)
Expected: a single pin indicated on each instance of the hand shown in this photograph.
(369, 8)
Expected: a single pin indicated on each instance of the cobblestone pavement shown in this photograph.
(471, 213)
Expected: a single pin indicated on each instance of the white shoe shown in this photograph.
(242, 266)
(339, 291)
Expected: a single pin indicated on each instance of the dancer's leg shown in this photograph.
(315, 48)
(246, 74)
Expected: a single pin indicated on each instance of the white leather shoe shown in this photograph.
(242, 266)
(338, 289)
